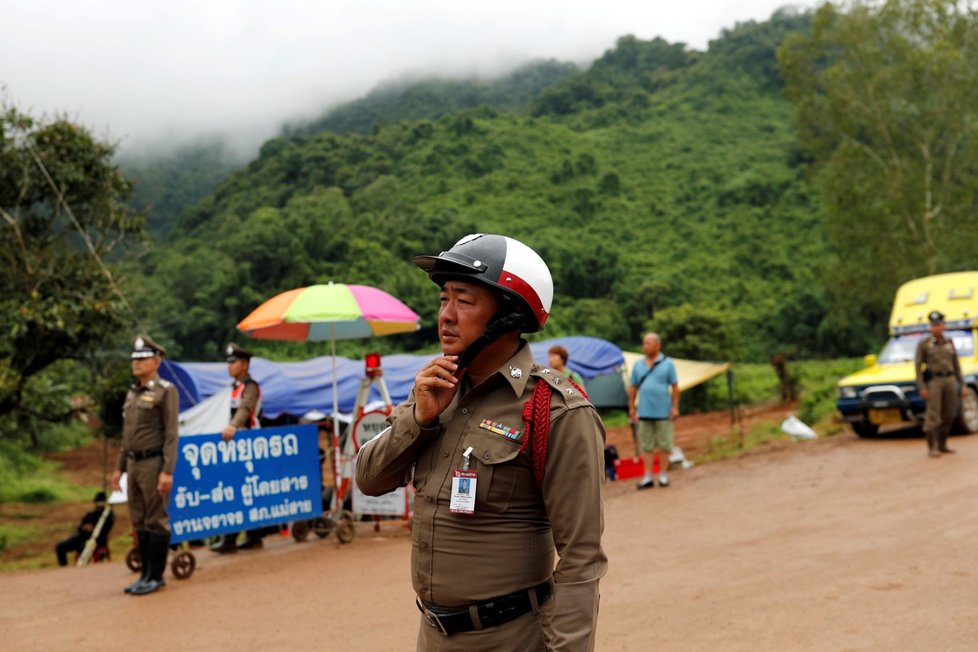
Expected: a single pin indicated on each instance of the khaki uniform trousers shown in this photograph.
(524, 634)
(942, 404)
(147, 508)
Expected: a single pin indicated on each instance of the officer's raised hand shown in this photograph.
(434, 388)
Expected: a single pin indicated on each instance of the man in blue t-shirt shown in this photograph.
(655, 384)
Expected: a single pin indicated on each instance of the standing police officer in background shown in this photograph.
(149, 455)
(245, 410)
(938, 377)
(525, 445)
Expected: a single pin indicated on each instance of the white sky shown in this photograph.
(149, 73)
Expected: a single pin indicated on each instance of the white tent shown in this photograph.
(207, 416)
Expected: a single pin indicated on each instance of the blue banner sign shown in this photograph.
(261, 477)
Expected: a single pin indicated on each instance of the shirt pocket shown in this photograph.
(146, 401)
(497, 460)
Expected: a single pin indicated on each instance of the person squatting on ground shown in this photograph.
(149, 455)
(655, 383)
(529, 446)
(76, 542)
(245, 413)
(939, 379)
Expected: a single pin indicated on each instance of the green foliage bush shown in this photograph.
(818, 386)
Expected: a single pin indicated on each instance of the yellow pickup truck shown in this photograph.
(886, 392)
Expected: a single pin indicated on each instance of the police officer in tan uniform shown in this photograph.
(938, 377)
(245, 410)
(149, 455)
(495, 500)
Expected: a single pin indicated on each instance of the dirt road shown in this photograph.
(838, 544)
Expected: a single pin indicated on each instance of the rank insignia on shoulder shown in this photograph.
(500, 429)
(516, 372)
(570, 391)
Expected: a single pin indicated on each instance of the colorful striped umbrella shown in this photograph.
(329, 312)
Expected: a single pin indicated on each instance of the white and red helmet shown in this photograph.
(502, 263)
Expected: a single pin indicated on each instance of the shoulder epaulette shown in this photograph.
(165, 383)
(571, 393)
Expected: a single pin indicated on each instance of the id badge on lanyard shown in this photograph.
(463, 487)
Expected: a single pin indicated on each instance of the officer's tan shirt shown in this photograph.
(151, 420)
(508, 544)
(247, 403)
(936, 357)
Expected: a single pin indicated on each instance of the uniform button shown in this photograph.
(444, 454)
(424, 545)
(464, 410)
(487, 455)
(424, 588)
(429, 498)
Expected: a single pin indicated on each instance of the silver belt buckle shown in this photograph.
(431, 618)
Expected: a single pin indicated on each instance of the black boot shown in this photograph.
(142, 542)
(942, 443)
(159, 546)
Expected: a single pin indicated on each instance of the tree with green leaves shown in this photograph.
(62, 213)
(886, 99)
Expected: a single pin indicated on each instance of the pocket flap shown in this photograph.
(490, 449)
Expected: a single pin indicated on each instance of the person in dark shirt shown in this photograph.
(76, 542)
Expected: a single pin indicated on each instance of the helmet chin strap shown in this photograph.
(506, 320)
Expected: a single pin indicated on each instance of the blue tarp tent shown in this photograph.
(296, 388)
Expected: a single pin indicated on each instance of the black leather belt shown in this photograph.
(943, 374)
(146, 454)
(492, 612)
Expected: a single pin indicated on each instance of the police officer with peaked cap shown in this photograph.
(245, 410)
(938, 377)
(482, 560)
(245, 392)
(149, 456)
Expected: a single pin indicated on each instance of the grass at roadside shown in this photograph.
(727, 446)
(27, 478)
(28, 537)
(815, 386)
(39, 506)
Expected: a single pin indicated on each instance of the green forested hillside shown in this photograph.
(164, 185)
(664, 187)
(167, 183)
(435, 97)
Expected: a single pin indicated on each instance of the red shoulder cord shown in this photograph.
(536, 417)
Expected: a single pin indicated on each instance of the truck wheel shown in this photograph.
(865, 429)
(967, 419)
